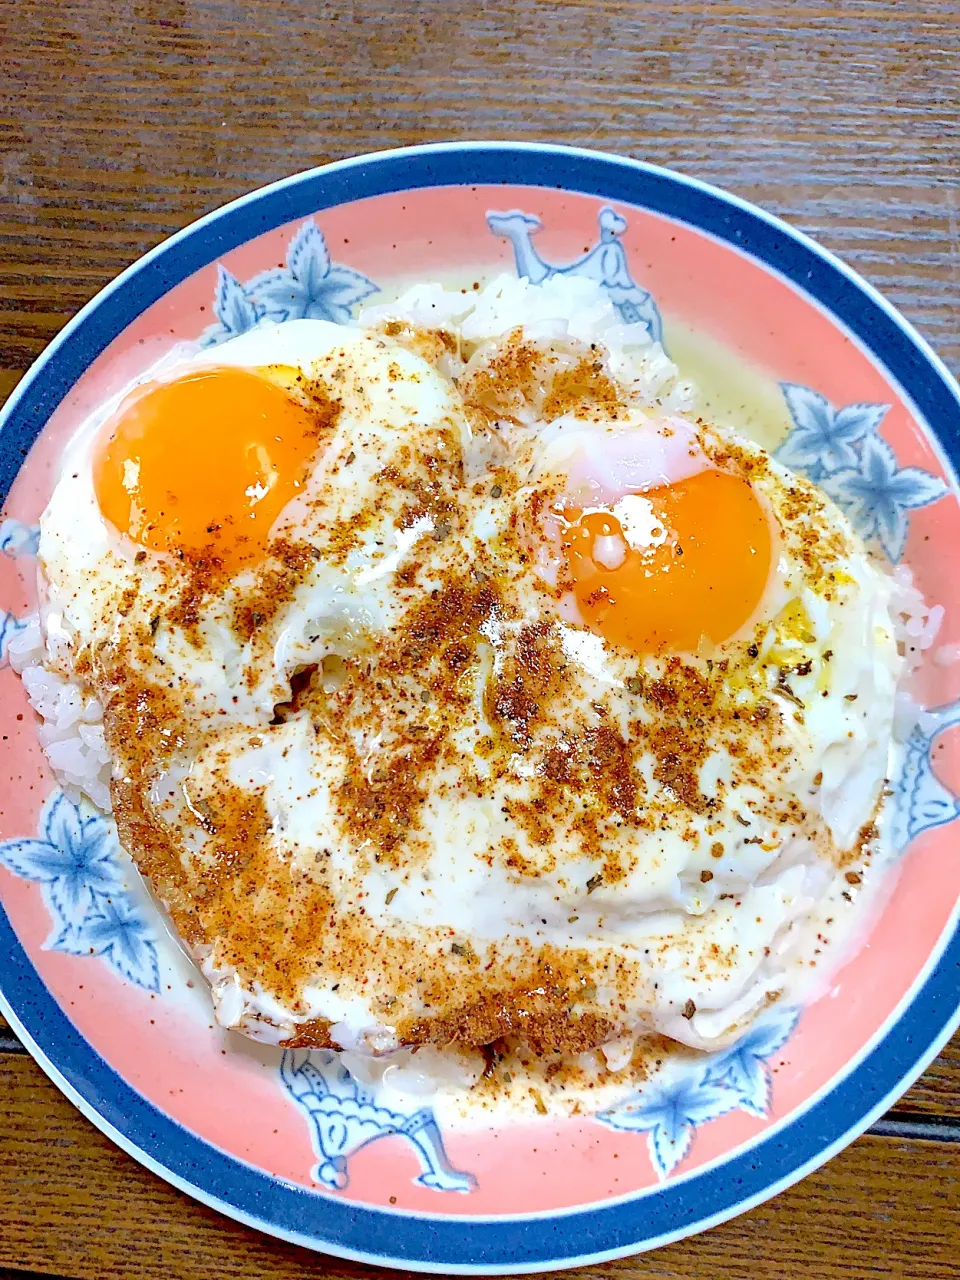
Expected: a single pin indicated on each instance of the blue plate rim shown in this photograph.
(459, 1244)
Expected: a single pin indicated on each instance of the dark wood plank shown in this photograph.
(116, 130)
(11, 1273)
(882, 1208)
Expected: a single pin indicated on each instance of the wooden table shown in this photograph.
(121, 122)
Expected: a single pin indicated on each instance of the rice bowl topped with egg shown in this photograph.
(480, 668)
(469, 706)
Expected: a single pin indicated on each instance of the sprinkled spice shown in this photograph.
(786, 692)
(603, 770)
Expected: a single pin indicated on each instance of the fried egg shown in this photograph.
(459, 690)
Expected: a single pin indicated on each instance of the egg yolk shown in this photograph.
(204, 464)
(664, 568)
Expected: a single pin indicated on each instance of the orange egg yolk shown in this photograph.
(698, 568)
(204, 464)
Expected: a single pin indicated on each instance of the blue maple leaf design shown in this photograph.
(669, 1113)
(877, 494)
(74, 860)
(737, 1078)
(311, 286)
(236, 311)
(19, 539)
(117, 931)
(742, 1068)
(823, 438)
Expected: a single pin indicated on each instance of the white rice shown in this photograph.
(917, 625)
(71, 728)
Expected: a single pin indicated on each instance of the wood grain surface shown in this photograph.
(120, 122)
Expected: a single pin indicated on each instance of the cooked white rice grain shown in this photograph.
(71, 732)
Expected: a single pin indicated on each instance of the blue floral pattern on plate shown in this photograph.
(311, 286)
(19, 539)
(840, 450)
(669, 1111)
(344, 1116)
(606, 263)
(76, 859)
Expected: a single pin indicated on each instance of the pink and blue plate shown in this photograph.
(289, 1142)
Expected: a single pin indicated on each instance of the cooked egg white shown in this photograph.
(443, 755)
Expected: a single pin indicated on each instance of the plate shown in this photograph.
(785, 342)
